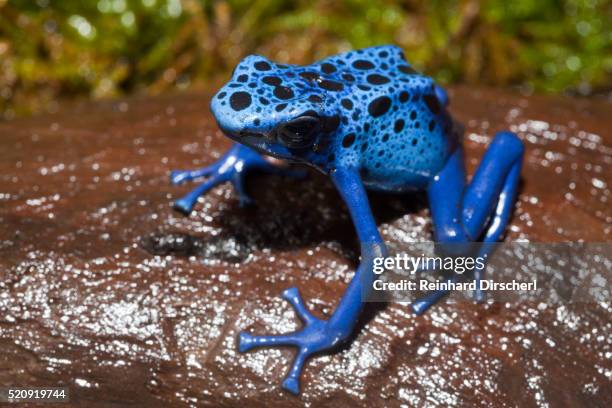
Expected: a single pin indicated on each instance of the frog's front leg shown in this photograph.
(319, 335)
(479, 211)
(233, 167)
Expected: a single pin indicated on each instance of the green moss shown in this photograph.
(52, 49)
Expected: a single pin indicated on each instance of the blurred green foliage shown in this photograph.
(56, 49)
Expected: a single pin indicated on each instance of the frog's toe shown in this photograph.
(244, 199)
(479, 295)
(292, 295)
(292, 385)
(292, 382)
(183, 205)
(247, 341)
(179, 176)
(421, 305)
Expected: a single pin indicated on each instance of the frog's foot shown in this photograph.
(232, 167)
(421, 305)
(316, 336)
(186, 203)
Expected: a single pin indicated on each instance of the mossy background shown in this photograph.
(56, 50)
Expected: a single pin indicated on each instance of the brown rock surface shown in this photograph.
(106, 290)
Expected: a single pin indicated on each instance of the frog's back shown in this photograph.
(370, 108)
(395, 127)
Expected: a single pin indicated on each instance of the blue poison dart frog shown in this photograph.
(368, 120)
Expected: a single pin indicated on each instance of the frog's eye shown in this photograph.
(299, 132)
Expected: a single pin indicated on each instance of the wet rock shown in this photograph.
(106, 290)
(218, 248)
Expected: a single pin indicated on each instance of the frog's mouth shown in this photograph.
(248, 137)
(256, 135)
(242, 135)
(266, 143)
(298, 133)
(263, 142)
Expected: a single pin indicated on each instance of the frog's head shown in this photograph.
(272, 108)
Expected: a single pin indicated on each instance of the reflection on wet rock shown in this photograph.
(228, 249)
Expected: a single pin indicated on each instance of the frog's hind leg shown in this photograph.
(479, 211)
(441, 95)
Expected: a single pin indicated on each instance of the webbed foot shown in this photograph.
(316, 335)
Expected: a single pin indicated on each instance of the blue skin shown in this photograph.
(368, 120)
